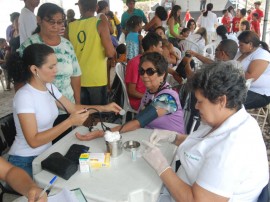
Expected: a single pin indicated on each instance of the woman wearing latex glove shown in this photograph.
(215, 159)
(20, 181)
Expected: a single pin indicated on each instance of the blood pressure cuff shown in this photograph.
(59, 165)
(147, 115)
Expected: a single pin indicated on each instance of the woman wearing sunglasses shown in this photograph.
(160, 106)
(50, 19)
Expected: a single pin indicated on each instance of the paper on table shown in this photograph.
(64, 195)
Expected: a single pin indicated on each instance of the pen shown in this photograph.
(47, 187)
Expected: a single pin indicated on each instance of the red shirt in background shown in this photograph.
(260, 13)
(255, 26)
(226, 21)
(235, 24)
(187, 16)
(132, 76)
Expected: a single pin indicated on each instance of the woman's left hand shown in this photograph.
(90, 136)
(112, 107)
(155, 158)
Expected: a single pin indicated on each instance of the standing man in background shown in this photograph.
(27, 19)
(130, 12)
(202, 5)
(92, 43)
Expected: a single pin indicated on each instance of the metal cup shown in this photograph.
(115, 147)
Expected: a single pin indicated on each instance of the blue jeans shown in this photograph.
(255, 100)
(22, 162)
(94, 95)
(202, 5)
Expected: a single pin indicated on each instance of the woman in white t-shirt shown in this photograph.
(209, 21)
(225, 159)
(35, 105)
(255, 59)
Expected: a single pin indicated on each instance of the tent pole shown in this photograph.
(265, 20)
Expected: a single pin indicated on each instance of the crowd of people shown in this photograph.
(60, 66)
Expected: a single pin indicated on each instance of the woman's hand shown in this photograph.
(186, 60)
(79, 117)
(33, 195)
(192, 53)
(162, 135)
(155, 158)
(90, 136)
(112, 107)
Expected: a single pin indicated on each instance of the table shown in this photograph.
(125, 180)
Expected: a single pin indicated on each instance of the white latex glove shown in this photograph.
(155, 158)
(164, 135)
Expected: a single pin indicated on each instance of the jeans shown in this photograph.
(23, 162)
(202, 5)
(255, 100)
(94, 95)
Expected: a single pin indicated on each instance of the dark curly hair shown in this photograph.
(19, 67)
(133, 22)
(159, 62)
(220, 79)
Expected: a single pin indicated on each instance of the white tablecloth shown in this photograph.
(125, 180)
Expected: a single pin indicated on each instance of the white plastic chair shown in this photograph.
(185, 45)
(178, 53)
(120, 72)
(209, 50)
(2, 78)
(262, 112)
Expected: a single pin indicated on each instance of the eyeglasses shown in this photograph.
(149, 71)
(53, 22)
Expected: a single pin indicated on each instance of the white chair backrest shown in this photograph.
(178, 53)
(209, 50)
(120, 72)
(249, 82)
(185, 45)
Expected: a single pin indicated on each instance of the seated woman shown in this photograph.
(226, 158)
(255, 59)
(160, 106)
(160, 15)
(35, 105)
(200, 38)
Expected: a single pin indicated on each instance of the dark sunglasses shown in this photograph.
(149, 71)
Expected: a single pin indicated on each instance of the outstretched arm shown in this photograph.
(20, 181)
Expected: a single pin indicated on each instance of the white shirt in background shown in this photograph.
(27, 24)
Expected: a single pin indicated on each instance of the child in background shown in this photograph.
(133, 39)
(226, 21)
(113, 25)
(245, 25)
(255, 24)
(236, 22)
(185, 32)
(249, 15)
(121, 53)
